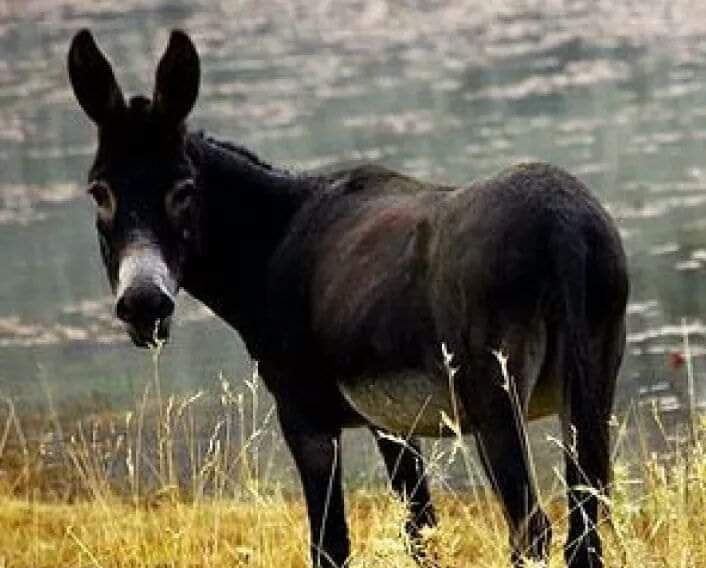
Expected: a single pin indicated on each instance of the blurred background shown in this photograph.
(446, 90)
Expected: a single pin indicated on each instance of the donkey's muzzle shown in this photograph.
(145, 295)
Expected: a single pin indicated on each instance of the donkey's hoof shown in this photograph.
(532, 547)
(584, 552)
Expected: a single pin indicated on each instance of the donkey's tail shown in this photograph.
(587, 393)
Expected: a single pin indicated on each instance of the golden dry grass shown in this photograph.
(229, 512)
(221, 533)
(658, 528)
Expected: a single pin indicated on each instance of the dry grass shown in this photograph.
(657, 529)
(172, 485)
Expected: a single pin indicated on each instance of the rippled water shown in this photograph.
(447, 90)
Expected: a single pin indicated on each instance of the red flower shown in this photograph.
(676, 359)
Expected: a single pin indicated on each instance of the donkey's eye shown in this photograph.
(104, 199)
(179, 198)
(100, 193)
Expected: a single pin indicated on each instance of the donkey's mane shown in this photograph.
(241, 151)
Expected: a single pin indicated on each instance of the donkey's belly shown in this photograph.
(407, 402)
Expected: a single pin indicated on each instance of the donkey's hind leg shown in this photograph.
(496, 405)
(588, 451)
(407, 472)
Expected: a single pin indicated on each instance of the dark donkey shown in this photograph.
(345, 285)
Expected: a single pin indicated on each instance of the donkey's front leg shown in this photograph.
(316, 450)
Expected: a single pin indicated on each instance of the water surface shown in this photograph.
(449, 91)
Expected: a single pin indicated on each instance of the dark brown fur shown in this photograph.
(345, 286)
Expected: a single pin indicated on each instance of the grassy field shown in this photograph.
(164, 486)
(660, 527)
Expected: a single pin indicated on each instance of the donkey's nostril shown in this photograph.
(144, 305)
(122, 309)
(166, 306)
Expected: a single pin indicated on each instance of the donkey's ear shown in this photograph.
(92, 79)
(178, 77)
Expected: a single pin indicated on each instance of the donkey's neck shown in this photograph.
(248, 208)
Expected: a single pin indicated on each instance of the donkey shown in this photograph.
(344, 286)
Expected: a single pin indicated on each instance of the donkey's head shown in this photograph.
(142, 180)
